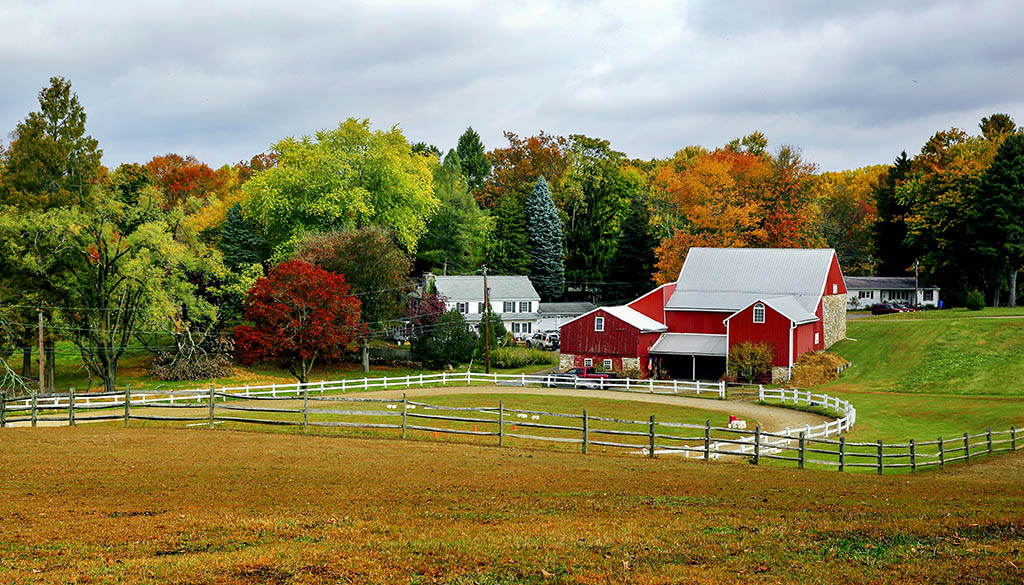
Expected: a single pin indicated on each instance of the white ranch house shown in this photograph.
(513, 298)
(864, 291)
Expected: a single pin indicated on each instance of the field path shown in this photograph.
(771, 418)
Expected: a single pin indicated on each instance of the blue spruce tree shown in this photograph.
(544, 240)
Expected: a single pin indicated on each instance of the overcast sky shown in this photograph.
(850, 85)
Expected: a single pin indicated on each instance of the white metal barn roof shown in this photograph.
(690, 344)
(729, 279)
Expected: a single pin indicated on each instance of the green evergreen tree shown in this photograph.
(890, 232)
(242, 240)
(447, 341)
(544, 238)
(998, 228)
(475, 164)
(631, 271)
(506, 251)
(455, 236)
(51, 161)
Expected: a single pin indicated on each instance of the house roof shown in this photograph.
(690, 344)
(630, 316)
(730, 279)
(471, 288)
(882, 282)
(788, 307)
(566, 308)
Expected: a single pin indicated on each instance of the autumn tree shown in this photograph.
(51, 161)
(789, 214)
(342, 178)
(184, 178)
(848, 215)
(375, 268)
(544, 238)
(300, 313)
(997, 126)
(472, 159)
(517, 167)
(456, 233)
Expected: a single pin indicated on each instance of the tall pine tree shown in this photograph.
(475, 164)
(51, 161)
(893, 254)
(242, 240)
(999, 225)
(631, 271)
(544, 238)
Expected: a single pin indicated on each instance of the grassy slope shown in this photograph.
(936, 373)
(107, 505)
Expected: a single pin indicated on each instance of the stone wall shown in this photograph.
(833, 313)
(780, 374)
(565, 361)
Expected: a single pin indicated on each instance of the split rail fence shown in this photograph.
(326, 405)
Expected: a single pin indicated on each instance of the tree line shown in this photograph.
(170, 254)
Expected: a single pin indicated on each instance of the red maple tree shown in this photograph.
(299, 313)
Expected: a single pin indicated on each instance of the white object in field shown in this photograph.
(521, 415)
(535, 417)
(737, 424)
(392, 406)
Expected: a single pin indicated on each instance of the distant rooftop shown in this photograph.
(882, 282)
(471, 288)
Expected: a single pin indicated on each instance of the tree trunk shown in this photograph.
(51, 367)
(366, 357)
(1012, 301)
(110, 376)
(996, 294)
(26, 362)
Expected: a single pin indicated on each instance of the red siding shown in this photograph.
(774, 331)
(619, 339)
(653, 303)
(835, 276)
(803, 339)
(695, 321)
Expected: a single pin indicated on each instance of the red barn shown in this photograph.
(610, 339)
(792, 299)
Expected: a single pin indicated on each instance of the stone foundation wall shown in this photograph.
(565, 361)
(833, 316)
(780, 374)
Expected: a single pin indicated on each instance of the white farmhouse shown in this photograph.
(513, 298)
(864, 291)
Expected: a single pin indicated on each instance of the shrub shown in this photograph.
(498, 335)
(975, 300)
(518, 357)
(446, 342)
(751, 360)
(630, 371)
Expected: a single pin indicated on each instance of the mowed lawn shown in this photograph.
(106, 505)
(936, 373)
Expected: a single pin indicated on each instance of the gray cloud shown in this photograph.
(851, 85)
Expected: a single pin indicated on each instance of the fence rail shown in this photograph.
(331, 407)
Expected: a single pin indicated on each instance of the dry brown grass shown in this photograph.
(107, 505)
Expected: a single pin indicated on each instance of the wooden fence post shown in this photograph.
(757, 445)
(913, 457)
(800, 463)
(842, 453)
(35, 408)
(707, 440)
(405, 410)
(71, 407)
(967, 448)
(585, 430)
(879, 456)
(211, 406)
(305, 408)
(127, 405)
(652, 436)
(942, 455)
(3, 410)
(988, 436)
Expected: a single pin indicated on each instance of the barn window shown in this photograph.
(608, 365)
(599, 324)
(835, 289)
(758, 313)
(588, 362)
(816, 338)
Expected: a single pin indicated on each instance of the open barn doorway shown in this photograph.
(690, 367)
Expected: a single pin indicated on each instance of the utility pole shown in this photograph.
(42, 360)
(917, 300)
(487, 325)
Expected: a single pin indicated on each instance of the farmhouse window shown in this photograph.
(462, 307)
(481, 308)
(866, 294)
(524, 307)
(508, 307)
(929, 295)
(758, 313)
(588, 362)
(527, 327)
(515, 328)
(608, 365)
(599, 324)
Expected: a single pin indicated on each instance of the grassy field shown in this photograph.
(933, 373)
(106, 505)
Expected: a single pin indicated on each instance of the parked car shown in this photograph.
(576, 378)
(887, 308)
(545, 340)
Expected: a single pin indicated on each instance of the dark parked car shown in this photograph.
(888, 308)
